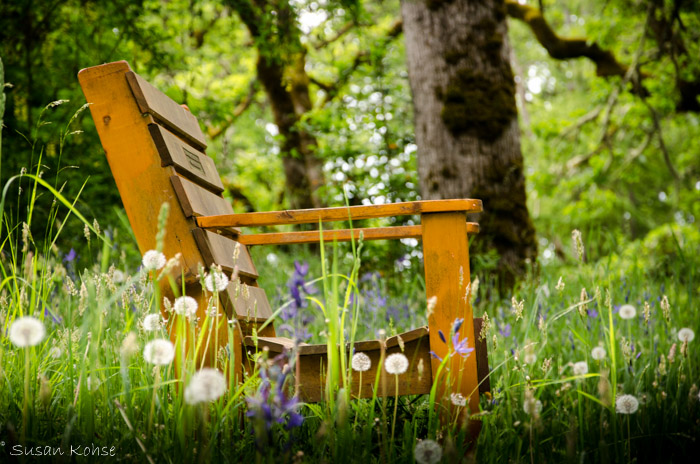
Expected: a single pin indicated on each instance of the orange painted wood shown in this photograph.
(198, 201)
(144, 184)
(187, 160)
(341, 235)
(310, 216)
(218, 250)
(446, 261)
(253, 306)
(167, 112)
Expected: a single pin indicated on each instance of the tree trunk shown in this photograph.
(280, 68)
(466, 118)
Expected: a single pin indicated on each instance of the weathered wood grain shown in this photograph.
(310, 216)
(446, 261)
(186, 159)
(218, 250)
(154, 102)
(249, 302)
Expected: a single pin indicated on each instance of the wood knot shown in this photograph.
(106, 120)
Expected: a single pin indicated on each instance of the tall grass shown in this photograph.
(87, 384)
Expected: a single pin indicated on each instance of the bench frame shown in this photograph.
(155, 149)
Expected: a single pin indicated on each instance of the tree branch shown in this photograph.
(341, 32)
(565, 48)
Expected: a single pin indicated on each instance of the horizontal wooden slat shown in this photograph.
(198, 201)
(187, 160)
(165, 110)
(253, 306)
(217, 249)
(416, 346)
(342, 235)
(310, 216)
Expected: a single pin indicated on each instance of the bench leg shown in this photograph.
(446, 259)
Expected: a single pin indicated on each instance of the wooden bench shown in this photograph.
(156, 151)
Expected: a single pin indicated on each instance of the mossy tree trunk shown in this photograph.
(466, 119)
(280, 69)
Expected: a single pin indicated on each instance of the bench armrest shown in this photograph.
(311, 216)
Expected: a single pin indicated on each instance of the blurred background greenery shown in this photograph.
(615, 156)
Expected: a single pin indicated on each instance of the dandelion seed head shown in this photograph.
(458, 399)
(55, 352)
(686, 335)
(626, 404)
(529, 358)
(598, 353)
(580, 368)
(532, 406)
(185, 306)
(427, 452)
(118, 276)
(153, 260)
(151, 322)
(216, 281)
(628, 311)
(361, 362)
(27, 331)
(205, 385)
(396, 364)
(159, 352)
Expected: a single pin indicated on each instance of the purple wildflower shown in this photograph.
(460, 346)
(271, 404)
(504, 330)
(70, 256)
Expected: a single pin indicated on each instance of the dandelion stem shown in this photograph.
(156, 384)
(396, 404)
(25, 406)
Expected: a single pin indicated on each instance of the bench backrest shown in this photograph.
(156, 151)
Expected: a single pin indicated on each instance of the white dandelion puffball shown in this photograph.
(396, 363)
(159, 352)
(532, 406)
(361, 362)
(216, 281)
(185, 306)
(530, 358)
(580, 368)
(598, 353)
(153, 260)
(427, 452)
(458, 399)
(27, 331)
(151, 322)
(686, 335)
(627, 311)
(626, 404)
(55, 352)
(118, 276)
(205, 385)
